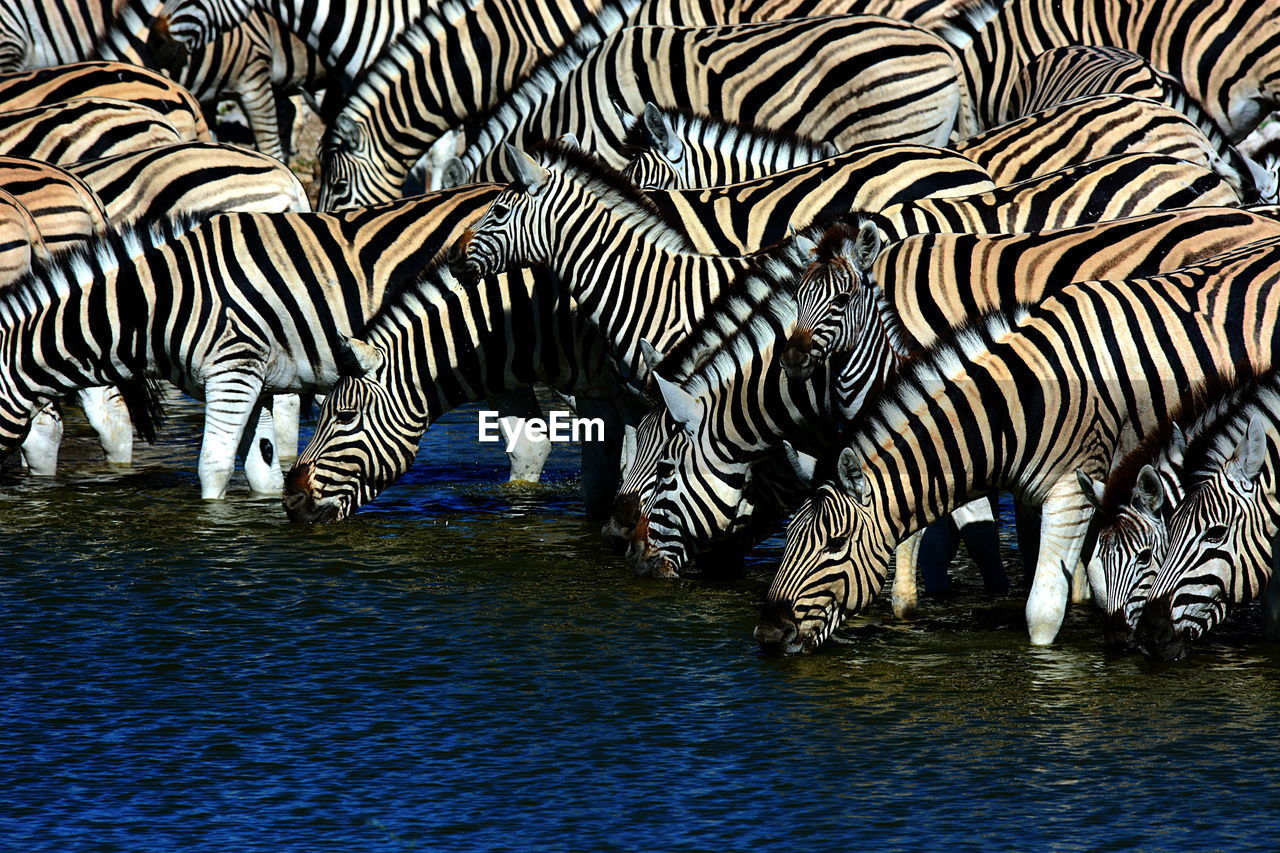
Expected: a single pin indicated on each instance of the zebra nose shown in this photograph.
(298, 480)
(796, 357)
(1117, 631)
(1156, 634)
(169, 53)
(776, 632)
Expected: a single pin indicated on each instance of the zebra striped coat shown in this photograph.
(100, 79)
(668, 149)
(1016, 403)
(1225, 54)
(433, 346)
(905, 77)
(194, 179)
(20, 241)
(238, 306)
(1222, 534)
(1101, 126)
(86, 129)
(66, 209)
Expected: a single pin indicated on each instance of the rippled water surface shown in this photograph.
(465, 665)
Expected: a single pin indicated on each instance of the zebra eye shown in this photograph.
(499, 210)
(1215, 534)
(346, 416)
(1144, 557)
(665, 468)
(834, 545)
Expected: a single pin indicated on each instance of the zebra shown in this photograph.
(38, 34)
(192, 179)
(1099, 126)
(875, 308)
(996, 271)
(794, 76)
(748, 216)
(1015, 401)
(705, 13)
(369, 147)
(20, 240)
(103, 79)
(85, 129)
(1225, 55)
(667, 149)
(230, 309)
(1109, 188)
(66, 209)
(432, 346)
(1222, 534)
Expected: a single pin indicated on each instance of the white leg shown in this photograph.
(1080, 592)
(105, 409)
(286, 409)
(258, 448)
(1064, 523)
(904, 596)
(40, 447)
(230, 399)
(527, 456)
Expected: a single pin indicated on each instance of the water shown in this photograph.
(466, 665)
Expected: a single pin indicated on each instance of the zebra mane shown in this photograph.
(720, 134)
(1214, 440)
(407, 48)
(485, 131)
(916, 378)
(962, 24)
(625, 198)
(740, 317)
(1210, 401)
(73, 267)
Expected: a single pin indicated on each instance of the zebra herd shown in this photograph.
(862, 264)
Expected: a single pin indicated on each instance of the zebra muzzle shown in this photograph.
(797, 356)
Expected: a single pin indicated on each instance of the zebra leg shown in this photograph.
(261, 462)
(527, 457)
(903, 595)
(1026, 521)
(286, 410)
(105, 409)
(935, 549)
(1064, 524)
(230, 398)
(602, 460)
(40, 447)
(981, 535)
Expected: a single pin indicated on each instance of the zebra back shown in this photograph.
(83, 129)
(748, 216)
(194, 179)
(741, 72)
(20, 240)
(1109, 188)
(705, 13)
(101, 79)
(668, 149)
(65, 208)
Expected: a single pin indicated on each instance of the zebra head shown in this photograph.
(636, 489)
(838, 306)
(697, 495)
(189, 24)
(1219, 553)
(835, 562)
(362, 442)
(351, 171)
(657, 154)
(509, 232)
(1128, 549)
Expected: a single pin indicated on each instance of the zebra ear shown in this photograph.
(453, 173)
(866, 246)
(830, 149)
(680, 403)
(802, 463)
(650, 354)
(358, 359)
(1093, 490)
(346, 131)
(629, 121)
(528, 171)
(851, 477)
(660, 132)
(1251, 453)
(1148, 492)
(1176, 452)
(570, 139)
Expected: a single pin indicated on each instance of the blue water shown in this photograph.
(465, 666)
